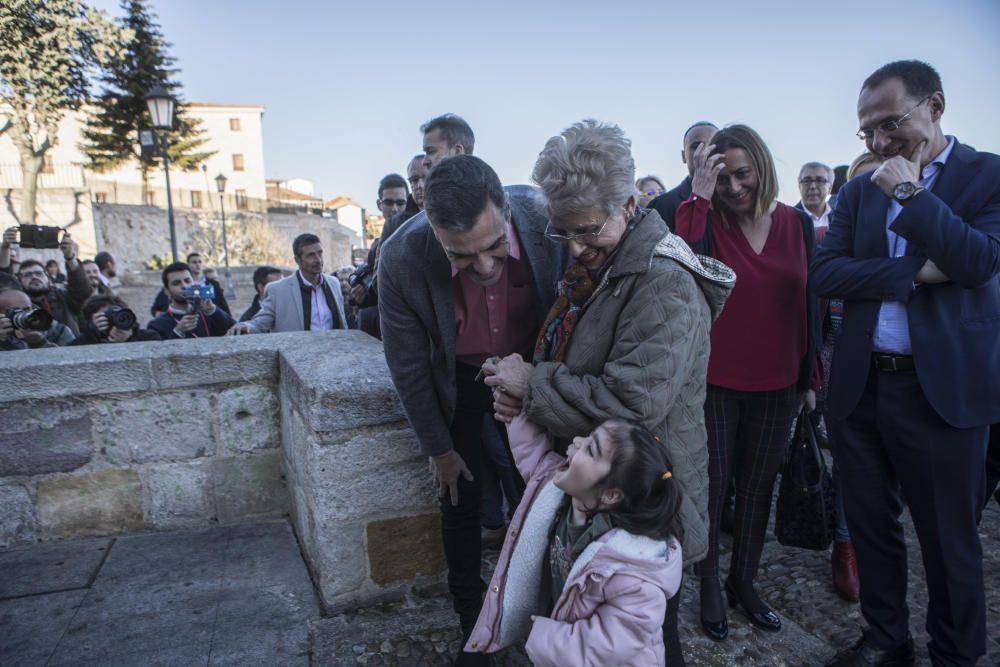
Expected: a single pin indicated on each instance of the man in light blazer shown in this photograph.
(471, 277)
(307, 300)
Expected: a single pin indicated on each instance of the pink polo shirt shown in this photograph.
(497, 320)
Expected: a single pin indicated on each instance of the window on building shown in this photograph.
(101, 197)
(234, 124)
(196, 199)
(238, 162)
(48, 166)
(241, 199)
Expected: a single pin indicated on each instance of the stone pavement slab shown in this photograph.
(51, 567)
(228, 595)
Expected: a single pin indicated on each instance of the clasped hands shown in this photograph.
(508, 377)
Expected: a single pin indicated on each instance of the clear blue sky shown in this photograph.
(346, 84)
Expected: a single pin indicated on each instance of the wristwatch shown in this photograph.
(905, 191)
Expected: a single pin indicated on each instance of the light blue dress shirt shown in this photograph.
(892, 331)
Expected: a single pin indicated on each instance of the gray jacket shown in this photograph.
(640, 352)
(281, 309)
(417, 310)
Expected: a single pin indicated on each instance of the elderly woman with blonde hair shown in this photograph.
(628, 336)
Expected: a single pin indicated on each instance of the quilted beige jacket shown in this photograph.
(640, 352)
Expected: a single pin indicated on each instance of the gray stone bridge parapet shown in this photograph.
(105, 439)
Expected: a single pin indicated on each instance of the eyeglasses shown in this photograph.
(32, 274)
(819, 182)
(582, 237)
(392, 202)
(889, 125)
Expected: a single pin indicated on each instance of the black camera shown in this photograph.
(120, 318)
(364, 275)
(30, 319)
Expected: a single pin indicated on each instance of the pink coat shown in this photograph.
(611, 609)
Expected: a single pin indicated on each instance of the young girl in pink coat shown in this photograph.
(591, 556)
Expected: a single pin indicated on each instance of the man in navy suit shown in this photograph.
(914, 252)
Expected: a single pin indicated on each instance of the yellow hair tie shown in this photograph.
(667, 475)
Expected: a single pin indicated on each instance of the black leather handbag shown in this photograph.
(806, 514)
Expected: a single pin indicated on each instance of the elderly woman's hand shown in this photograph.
(510, 375)
(706, 170)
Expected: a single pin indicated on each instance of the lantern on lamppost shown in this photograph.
(220, 184)
(162, 106)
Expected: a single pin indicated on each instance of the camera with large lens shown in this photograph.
(195, 294)
(120, 318)
(30, 319)
(364, 275)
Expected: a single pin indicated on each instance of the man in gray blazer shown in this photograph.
(307, 300)
(471, 277)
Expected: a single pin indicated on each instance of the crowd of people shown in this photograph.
(604, 374)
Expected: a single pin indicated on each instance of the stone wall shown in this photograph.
(106, 439)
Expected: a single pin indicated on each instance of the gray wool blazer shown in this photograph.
(281, 308)
(417, 309)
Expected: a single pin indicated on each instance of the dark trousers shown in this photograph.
(894, 440)
(993, 465)
(460, 525)
(748, 433)
(671, 636)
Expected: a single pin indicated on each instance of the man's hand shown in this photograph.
(32, 338)
(117, 335)
(898, 169)
(239, 329)
(9, 237)
(808, 399)
(69, 250)
(358, 294)
(207, 306)
(929, 273)
(100, 322)
(445, 469)
(6, 327)
(186, 324)
(510, 374)
(706, 170)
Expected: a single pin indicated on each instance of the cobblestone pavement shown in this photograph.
(796, 582)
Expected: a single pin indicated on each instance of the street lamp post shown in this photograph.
(161, 107)
(220, 183)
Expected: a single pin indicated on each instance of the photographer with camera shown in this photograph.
(191, 312)
(107, 319)
(24, 326)
(62, 302)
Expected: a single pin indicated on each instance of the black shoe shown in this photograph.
(711, 592)
(750, 603)
(866, 654)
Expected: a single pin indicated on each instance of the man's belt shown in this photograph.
(893, 363)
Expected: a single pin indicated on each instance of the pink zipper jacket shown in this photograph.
(611, 609)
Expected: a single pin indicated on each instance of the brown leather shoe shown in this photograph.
(845, 571)
(866, 654)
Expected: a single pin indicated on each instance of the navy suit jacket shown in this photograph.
(954, 326)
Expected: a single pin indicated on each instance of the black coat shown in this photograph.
(667, 203)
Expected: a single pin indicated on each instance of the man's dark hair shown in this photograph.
(453, 129)
(174, 268)
(192, 254)
(51, 262)
(8, 281)
(392, 181)
(102, 259)
(458, 190)
(301, 241)
(30, 262)
(919, 79)
(90, 261)
(261, 273)
(839, 178)
(98, 301)
(700, 123)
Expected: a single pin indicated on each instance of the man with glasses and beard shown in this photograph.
(63, 303)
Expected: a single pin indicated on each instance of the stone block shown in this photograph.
(177, 494)
(216, 361)
(338, 560)
(17, 517)
(404, 548)
(99, 503)
(248, 418)
(173, 426)
(77, 371)
(44, 437)
(249, 486)
(369, 475)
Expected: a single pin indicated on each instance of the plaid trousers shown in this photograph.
(748, 434)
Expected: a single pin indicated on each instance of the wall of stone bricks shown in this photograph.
(106, 439)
